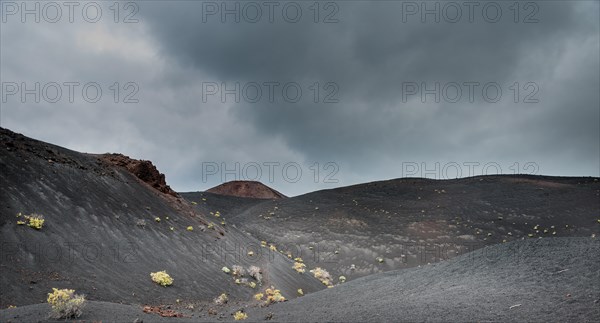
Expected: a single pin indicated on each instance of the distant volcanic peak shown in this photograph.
(142, 169)
(249, 189)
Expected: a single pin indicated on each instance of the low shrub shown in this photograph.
(322, 275)
(221, 299)
(140, 223)
(162, 278)
(239, 316)
(238, 271)
(255, 273)
(273, 295)
(65, 304)
(34, 220)
(299, 267)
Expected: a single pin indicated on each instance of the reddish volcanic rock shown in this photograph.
(250, 189)
(142, 169)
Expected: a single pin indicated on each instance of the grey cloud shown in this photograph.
(369, 54)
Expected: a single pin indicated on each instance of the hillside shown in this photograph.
(501, 248)
(251, 189)
(101, 237)
(547, 280)
(381, 226)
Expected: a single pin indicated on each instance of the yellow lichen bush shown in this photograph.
(239, 315)
(190, 228)
(65, 304)
(299, 267)
(162, 278)
(238, 271)
(322, 275)
(273, 248)
(300, 292)
(258, 296)
(221, 299)
(273, 295)
(255, 272)
(36, 222)
(33, 220)
(157, 219)
(211, 225)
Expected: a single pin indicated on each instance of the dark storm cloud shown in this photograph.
(370, 52)
(363, 60)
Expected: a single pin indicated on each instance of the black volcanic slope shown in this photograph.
(535, 259)
(410, 222)
(92, 242)
(545, 280)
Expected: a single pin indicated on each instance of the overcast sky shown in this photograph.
(343, 92)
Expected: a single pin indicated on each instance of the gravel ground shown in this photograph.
(543, 280)
(93, 242)
(554, 279)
